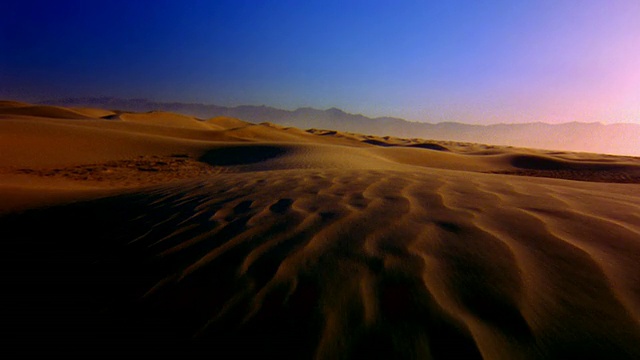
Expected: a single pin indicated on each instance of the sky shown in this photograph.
(480, 62)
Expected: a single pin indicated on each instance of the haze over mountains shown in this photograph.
(620, 138)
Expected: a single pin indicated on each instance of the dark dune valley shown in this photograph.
(157, 231)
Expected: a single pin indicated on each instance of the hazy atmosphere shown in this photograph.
(480, 62)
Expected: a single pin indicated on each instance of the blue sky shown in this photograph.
(469, 61)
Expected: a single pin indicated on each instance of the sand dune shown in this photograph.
(43, 111)
(252, 239)
(227, 122)
(165, 119)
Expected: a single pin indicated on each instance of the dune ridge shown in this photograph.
(253, 239)
(596, 137)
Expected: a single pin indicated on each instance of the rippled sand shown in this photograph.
(330, 246)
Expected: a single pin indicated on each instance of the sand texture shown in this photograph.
(159, 231)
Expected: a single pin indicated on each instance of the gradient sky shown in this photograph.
(471, 61)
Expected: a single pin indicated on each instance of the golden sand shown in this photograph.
(161, 231)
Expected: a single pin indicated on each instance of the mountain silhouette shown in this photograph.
(594, 137)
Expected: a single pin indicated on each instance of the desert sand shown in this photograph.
(159, 231)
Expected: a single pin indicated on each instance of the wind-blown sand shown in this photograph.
(158, 231)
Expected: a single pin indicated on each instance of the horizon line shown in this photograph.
(173, 102)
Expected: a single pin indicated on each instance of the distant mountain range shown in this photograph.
(572, 136)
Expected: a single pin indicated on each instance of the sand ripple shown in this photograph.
(338, 264)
